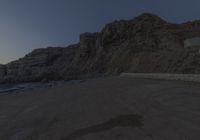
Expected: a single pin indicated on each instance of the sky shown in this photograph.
(29, 24)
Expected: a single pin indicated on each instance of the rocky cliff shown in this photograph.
(146, 43)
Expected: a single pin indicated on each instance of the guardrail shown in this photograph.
(165, 76)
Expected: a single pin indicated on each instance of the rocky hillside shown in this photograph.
(145, 44)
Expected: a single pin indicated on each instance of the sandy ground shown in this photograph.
(113, 108)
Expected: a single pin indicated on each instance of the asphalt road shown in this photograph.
(113, 108)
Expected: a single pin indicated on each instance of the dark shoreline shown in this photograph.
(13, 88)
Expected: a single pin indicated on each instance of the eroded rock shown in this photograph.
(146, 44)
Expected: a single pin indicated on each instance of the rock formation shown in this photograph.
(146, 43)
(2, 70)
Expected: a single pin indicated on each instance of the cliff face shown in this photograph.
(144, 44)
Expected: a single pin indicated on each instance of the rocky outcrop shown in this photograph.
(2, 70)
(145, 44)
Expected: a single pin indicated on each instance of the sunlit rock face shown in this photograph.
(145, 44)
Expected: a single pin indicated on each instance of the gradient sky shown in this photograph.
(29, 24)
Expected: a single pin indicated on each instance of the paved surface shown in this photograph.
(114, 108)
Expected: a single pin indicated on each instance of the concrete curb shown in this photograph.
(162, 76)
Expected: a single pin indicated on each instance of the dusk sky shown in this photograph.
(29, 24)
